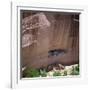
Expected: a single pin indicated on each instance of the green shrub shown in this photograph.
(56, 74)
(75, 70)
(65, 73)
(29, 72)
(43, 73)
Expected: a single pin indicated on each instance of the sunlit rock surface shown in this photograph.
(31, 23)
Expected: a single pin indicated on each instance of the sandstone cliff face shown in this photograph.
(45, 31)
(30, 25)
